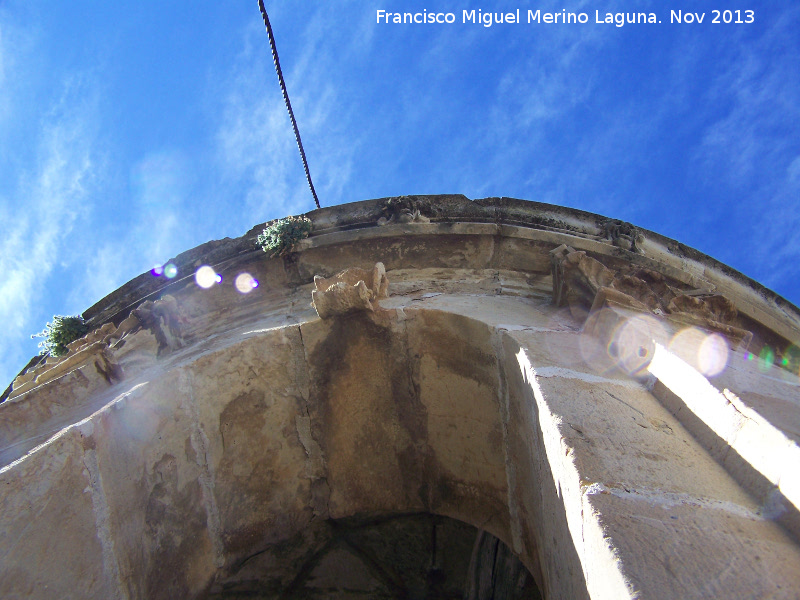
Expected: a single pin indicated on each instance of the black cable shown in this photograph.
(286, 98)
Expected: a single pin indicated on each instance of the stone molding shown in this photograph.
(585, 285)
(163, 318)
(502, 218)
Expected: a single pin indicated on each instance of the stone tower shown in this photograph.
(487, 399)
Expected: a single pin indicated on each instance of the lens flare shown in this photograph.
(686, 345)
(634, 343)
(620, 339)
(708, 353)
(790, 363)
(766, 358)
(245, 283)
(157, 271)
(170, 271)
(205, 277)
(712, 356)
(599, 327)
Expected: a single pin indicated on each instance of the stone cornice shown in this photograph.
(456, 214)
(615, 243)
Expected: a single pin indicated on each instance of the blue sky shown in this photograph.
(131, 132)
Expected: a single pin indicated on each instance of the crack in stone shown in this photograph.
(511, 474)
(206, 478)
(101, 511)
(315, 463)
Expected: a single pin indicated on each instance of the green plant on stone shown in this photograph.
(280, 236)
(59, 333)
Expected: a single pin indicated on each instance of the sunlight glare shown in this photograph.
(708, 353)
(713, 355)
(205, 277)
(245, 283)
(170, 271)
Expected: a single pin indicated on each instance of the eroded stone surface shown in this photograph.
(231, 445)
(404, 209)
(586, 285)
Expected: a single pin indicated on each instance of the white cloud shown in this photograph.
(160, 183)
(256, 146)
(530, 99)
(752, 150)
(40, 210)
(105, 269)
(158, 219)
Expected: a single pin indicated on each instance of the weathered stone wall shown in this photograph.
(521, 378)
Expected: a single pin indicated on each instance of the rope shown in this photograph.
(286, 98)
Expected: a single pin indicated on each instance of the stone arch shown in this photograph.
(406, 413)
(281, 436)
(417, 555)
(196, 431)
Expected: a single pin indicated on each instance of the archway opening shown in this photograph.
(406, 556)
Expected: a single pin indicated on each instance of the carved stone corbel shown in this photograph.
(621, 234)
(164, 319)
(403, 210)
(353, 289)
(586, 285)
(577, 279)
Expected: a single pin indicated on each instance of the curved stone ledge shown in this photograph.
(533, 220)
(206, 441)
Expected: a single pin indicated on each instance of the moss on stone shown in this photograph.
(59, 333)
(280, 236)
